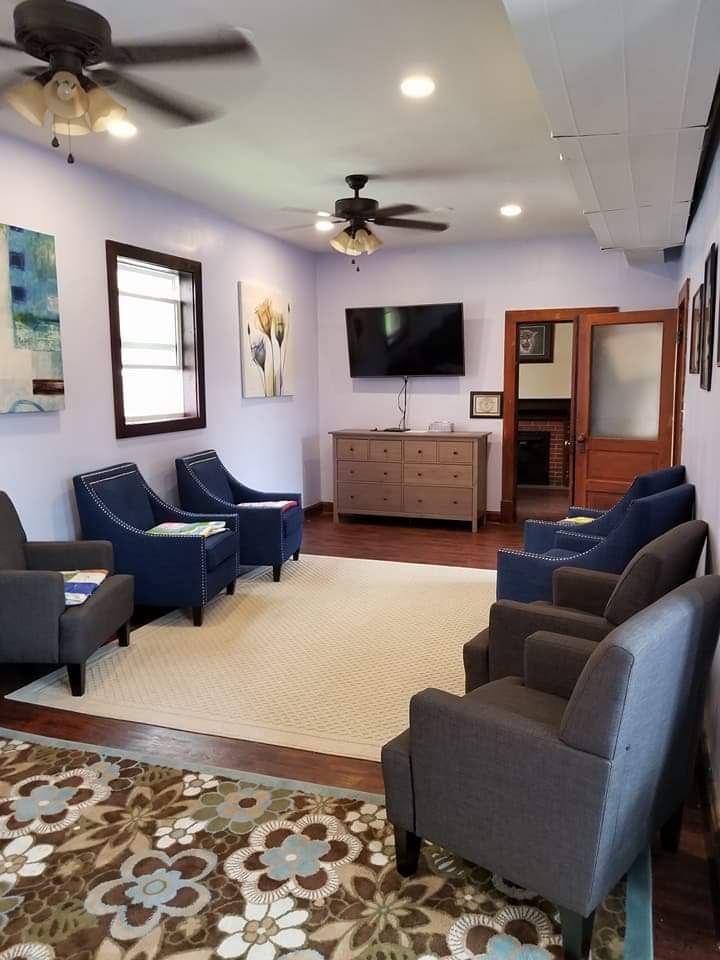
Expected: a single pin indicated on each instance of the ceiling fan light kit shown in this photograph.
(75, 43)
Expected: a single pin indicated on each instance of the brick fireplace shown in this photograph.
(551, 419)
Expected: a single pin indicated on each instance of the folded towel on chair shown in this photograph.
(81, 584)
(270, 504)
(203, 528)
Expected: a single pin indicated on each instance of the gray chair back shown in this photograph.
(12, 536)
(663, 564)
(638, 704)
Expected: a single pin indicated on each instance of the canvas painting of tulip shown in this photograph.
(265, 341)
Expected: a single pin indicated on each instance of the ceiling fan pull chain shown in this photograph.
(70, 157)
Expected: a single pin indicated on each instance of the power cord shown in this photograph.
(402, 404)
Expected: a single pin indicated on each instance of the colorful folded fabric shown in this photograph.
(81, 584)
(270, 504)
(578, 520)
(203, 528)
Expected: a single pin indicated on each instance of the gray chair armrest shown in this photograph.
(554, 662)
(69, 555)
(580, 589)
(31, 604)
(511, 623)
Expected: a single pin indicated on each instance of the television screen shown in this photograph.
(418, 341)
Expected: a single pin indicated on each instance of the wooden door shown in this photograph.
(624, 403)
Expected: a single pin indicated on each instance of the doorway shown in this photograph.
(602, 403)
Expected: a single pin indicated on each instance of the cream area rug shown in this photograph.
(326, 660)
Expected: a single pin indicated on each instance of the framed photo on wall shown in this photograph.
(486, 404)
(708, 319)
(696, 330)
(536, 342)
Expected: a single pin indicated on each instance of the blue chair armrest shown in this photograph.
(574, 540)
(245, 494)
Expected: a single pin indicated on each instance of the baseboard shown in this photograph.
(322, 506)
(493, 516)
(709, 801)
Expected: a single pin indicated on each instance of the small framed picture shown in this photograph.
(696, 330)
(486, 404)
(536, 342)
(708, 320)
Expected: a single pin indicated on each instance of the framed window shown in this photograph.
(156, 341)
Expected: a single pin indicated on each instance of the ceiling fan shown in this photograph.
(357, 212)
(81, 61)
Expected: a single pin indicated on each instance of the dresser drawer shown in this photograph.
(352, 449)
(439, 473)
(420, 451)
(349, 470)
(386, 450)
(450, 452)
(438, 501)
(369, 496)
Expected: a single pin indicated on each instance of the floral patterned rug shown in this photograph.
(112, 858)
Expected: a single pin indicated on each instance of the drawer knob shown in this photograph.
(352, 449)
(352, 471)
(455, 475)
(384, 450)
(384, 473)
(419, 501)
(455, 502)
(385, 499)
(352, 496)
(455, 453)
(420, 452)
(419, 473)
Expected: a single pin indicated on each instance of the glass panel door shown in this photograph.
(625, 380)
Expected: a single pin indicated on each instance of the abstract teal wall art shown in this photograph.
(31, 368)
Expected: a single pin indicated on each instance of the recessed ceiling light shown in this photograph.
(324, 226)
(418, 86)
(511, 210)
(122, 129)
(323, 213)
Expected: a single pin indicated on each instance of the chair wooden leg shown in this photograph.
(671, 829)
(276, 572)
(576, 934)
(76, 676)
(231, 588)
(197, 616)
(123, 635)
(407, 852)
(296, 555)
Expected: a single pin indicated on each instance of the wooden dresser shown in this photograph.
(415, 474)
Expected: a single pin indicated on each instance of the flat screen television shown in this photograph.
(425, 340)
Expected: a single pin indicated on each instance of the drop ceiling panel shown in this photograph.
(627, 86)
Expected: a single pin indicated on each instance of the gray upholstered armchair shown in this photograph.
(35, 624)
(586, 603)
(559, 782)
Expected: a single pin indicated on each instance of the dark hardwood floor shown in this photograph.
(683, 912)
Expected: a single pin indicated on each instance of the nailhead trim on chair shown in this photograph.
(111, 473)
(206, 456)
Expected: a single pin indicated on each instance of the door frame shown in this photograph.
(511, 377)
(681, 336)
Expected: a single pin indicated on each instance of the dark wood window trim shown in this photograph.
(192, 346)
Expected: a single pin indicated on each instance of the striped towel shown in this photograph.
(81, 584)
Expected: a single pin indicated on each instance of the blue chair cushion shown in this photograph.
(211, 474)
(219, 547)
(125, 496)
(560, 554)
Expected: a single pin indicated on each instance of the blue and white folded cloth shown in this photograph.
(270, 504)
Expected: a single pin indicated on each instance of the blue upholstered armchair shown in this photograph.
(539, 535)
(268, 537)
(116, 504)
(527, 576)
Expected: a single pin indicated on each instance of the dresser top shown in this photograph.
(410, 434)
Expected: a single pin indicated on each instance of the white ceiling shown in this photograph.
(325, 103)
(627, 87)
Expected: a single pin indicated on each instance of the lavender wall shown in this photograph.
(271, 442)
(490, 278)
(701, 451)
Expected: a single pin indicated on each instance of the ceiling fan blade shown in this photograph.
(228, 43)
(9, 45)
(10, 79)
(412, 224)
(397, 210)
(176, 108)
(307, 226)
